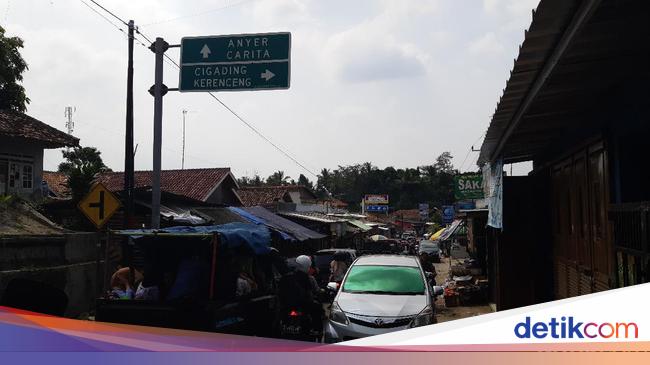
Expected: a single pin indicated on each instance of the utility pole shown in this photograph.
(183, 158)
(128, 140)
(157, 90)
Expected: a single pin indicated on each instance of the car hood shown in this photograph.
(378, 305)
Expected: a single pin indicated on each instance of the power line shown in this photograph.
(469, 151)
(249, 125)
(109, 12)
(103, 16)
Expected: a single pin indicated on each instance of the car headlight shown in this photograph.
(423, 318)
(337, 315)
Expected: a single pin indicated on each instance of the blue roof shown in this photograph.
(233, 235)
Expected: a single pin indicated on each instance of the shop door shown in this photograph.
(4, 166)
(601, 258)
(584, 260)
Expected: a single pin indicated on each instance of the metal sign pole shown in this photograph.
(158, 91)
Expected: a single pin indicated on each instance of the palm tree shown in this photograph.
(278, 178)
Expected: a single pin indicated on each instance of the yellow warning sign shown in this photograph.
(99, 205)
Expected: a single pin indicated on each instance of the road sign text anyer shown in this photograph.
(235, 62)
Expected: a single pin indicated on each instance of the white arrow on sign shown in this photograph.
(267, 75)
(205, 51)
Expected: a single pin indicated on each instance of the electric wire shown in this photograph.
(228, 108)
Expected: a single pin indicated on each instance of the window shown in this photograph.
(28, 177)
(13, 174)
(373, 279)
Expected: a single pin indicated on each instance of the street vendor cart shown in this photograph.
(196, 273)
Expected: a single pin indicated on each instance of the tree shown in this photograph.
(278, 178)
(432, 184)
(12, 66)
(256, 180)
(443, 163)
(304, 181)
(81, 166)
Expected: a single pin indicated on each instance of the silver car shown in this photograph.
(380, 294)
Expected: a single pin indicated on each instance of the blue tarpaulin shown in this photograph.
(233, 235)
(258, 220)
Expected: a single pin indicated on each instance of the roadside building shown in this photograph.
(22, 142)
(209, 185)
(339, 233)
(275, 198)
(576, 105)
(55, 185)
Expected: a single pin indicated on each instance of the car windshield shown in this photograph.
(376, 279)
(428, 246)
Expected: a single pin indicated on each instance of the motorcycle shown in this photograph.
(296, 324)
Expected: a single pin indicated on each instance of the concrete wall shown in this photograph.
(66, 262)
(20, 150)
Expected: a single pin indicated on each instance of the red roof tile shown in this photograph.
(196, 184)
(406, 214)
(19, 125)
(56, 182)
(265, 195)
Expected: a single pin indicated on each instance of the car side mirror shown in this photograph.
(333, 286)
(438, 290)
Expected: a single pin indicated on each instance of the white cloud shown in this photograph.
(487, 44)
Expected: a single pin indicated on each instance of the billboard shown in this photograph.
(374, 199)
(468, 186)
(447, 214)
(377, 208)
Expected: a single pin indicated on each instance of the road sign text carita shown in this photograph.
(248, 53)
(235, 62)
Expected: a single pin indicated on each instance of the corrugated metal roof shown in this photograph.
(573, 52)
(359, 224)
(275, 221)
(313, 216)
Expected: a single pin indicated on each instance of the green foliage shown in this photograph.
(245, 181)
(81, 166)
(407, 187)
(304, 181)
(12, 66)
(278, 178)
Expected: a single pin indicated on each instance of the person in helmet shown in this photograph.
(299, 289)
(303, 263)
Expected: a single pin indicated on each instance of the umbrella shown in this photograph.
(378, 237)
(436, 235)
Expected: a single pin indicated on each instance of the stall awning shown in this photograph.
(359, 224)
(449, 231)
(233, 235)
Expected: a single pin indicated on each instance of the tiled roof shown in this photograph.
(264, 195)
(19, 125)
(406, 214)
(56, 182)
(196, 184)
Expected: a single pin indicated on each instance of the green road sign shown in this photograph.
(468, 186)
(235, 62)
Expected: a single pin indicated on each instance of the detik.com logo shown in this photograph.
(568, 327)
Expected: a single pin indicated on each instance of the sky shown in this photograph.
(393, 82)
